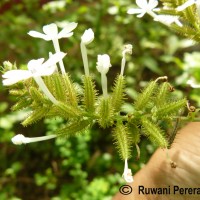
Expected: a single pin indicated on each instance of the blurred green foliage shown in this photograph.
(84, 167)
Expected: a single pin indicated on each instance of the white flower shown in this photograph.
(187, 4)
(88, 36)
(127, 50)
(51, 32)
(193, 84)
(20, 139)
(168, 19)
(144, 7)
(103, 63)
(127, 175)
(35, 68)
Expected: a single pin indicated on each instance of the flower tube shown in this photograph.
(86, 39)
(21, 139)
(127, 50)
(127, 175)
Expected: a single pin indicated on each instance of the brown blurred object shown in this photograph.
(159, 173)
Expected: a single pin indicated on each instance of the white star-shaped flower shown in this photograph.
(51, 32)
(35, 68)
(144, 7)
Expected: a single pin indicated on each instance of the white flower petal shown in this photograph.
(141, 14)
(68, 28)
(152, 4)
(39, 35)
(14, 76)
(54, 59)
(33, 65)
(63, 35)
(88, 36)
(134, 11)
(141, 3)
(51, 30)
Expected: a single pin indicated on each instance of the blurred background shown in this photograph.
(86, 166)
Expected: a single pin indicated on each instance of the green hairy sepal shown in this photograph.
(74, 127)
(158, 111)
(145, 96)
(162, 94)
(118, 93)
(153, 132)
(122, 140)
(90, 94)
(105, 113)
(169, 109)
(62, 88)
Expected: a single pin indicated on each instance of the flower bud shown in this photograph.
(103, 63)
(18, 139)
(88, 36)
